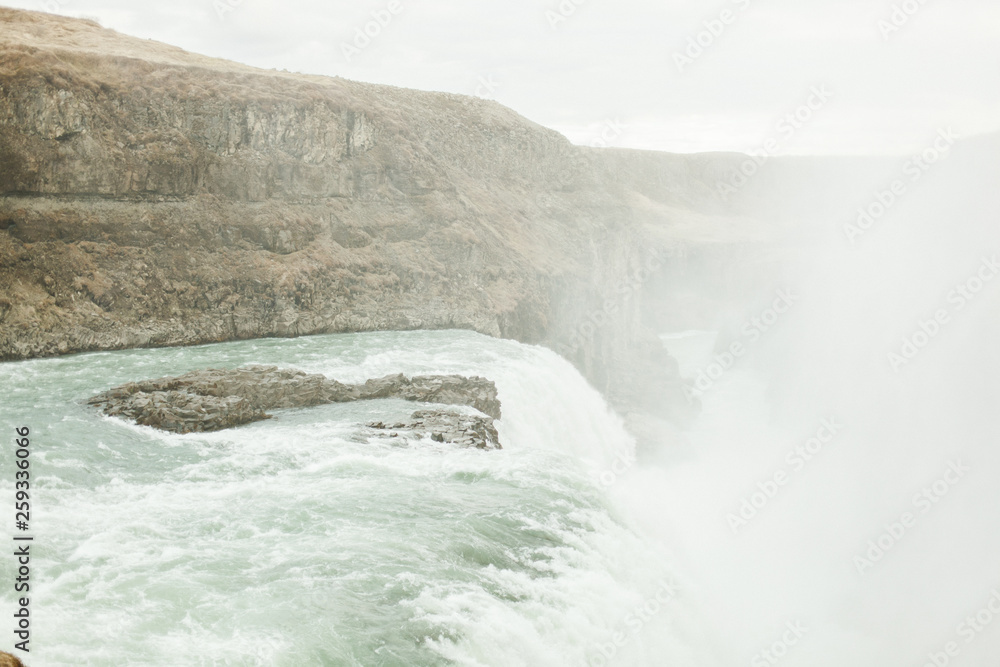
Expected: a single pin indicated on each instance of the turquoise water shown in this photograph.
(302, 541)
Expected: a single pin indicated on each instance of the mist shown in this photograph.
(842, 474)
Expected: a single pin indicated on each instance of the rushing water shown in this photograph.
(301, 541)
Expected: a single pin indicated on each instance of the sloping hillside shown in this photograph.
(154, 197)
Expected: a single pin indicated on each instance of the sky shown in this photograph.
(759, 76)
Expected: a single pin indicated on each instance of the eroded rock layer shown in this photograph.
(215, 399)
(444, 426)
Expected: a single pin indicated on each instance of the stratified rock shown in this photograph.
(263, 387)
(475, 392)
(153, 197)
(214, 399)
(184, 412)
(445, 426)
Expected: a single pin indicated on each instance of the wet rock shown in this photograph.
(445, 426)
(475, 392)
(185, 412)
(215, 399)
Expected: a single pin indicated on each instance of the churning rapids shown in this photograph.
(305, 540)
(300, 541)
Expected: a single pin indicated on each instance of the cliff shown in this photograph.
(153, 197)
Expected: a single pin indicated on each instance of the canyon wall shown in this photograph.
(153, 197)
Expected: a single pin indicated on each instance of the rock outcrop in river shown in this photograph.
(444, 426)
(215, 399)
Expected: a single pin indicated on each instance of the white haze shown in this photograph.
(901, 432)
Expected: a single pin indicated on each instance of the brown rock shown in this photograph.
(215, 399)
(445, 426)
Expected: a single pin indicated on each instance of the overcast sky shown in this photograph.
(623, 72)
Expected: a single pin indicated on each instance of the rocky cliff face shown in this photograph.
(152, 197)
